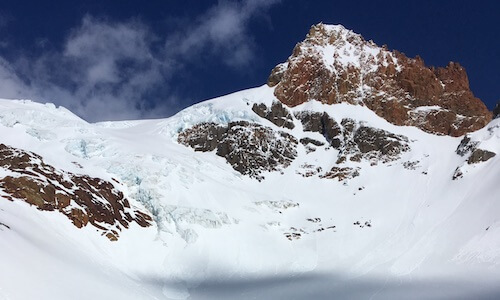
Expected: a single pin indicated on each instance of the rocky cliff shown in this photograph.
(83, 199)
(334, 65)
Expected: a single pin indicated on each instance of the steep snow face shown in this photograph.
(363, 208)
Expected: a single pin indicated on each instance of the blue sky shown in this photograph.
(112, 60)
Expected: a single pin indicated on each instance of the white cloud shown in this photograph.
(102, 46)
(109, 70)
(103, 72)
(221, 31)
(11, 86)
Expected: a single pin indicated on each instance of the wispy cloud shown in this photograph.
(108, 70)
(103, 71)
(221, 31)
(11, 86)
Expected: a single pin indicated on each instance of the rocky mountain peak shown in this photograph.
(334, 65)
(322, 34)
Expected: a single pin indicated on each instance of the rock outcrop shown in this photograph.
(277, 114)
(248, 147)
(467, 145)
(496, 111)
(252, 149)
(480, 155)
(321, 123)
(353, 140)
(83, 199)
(341, 174)
(334, 65)
(476, 155)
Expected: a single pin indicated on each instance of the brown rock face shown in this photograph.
(334, 65)
(83, 199)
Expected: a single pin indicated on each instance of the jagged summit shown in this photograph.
(335, 65)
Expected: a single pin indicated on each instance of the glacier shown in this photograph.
(219, 234)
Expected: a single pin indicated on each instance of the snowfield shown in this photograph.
(403, 229)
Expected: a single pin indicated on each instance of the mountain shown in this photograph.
(354, 173)
(335, 65)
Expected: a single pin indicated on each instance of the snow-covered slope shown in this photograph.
(360, 208)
